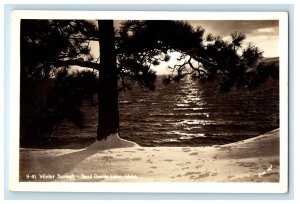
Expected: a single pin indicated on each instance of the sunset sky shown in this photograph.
(262, 33)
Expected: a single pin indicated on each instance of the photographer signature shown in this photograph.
(265, 172)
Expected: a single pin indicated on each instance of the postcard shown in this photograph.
(191, 102)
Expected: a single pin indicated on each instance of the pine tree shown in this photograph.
(50, 47)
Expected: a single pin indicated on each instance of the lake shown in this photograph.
(188, 113)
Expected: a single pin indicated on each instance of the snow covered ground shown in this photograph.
(116, 160)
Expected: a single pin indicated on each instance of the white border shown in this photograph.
(147, 15)
(204, 187)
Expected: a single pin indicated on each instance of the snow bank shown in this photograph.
(118, 160)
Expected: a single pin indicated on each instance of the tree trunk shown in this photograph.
(108, 111)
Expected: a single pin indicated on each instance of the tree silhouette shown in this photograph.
(108, 112)
(49, 47)
(203, 57)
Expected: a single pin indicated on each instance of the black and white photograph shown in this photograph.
(178, 98)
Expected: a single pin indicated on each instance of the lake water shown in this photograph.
(188, 114)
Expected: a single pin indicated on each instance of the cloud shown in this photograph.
(227, 38)
(266, 30)
(226, 27)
